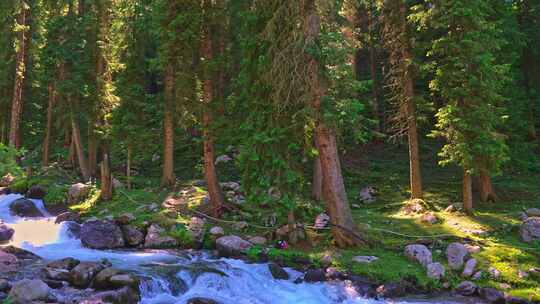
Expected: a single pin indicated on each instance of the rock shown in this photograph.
(155, 238)
(121, 280)
(367, 195)
(435, 271)
(515, 300)
(8, 262)
(419, 253)
(234, 186)
(217, 231)
(258, 240)
(456, 254)
(466, 288)
(57, 274)
(239, 226)
(78, 193)
(522, 274)
(6, 233)
(414, 206)
(333, 273)
(278, 272)
(473, 249)
(68, 216)
(454, 207)
(533, 212)
(391, 290)
(196, 229)
(5, 191)
(223, 159)
(117, 184)
(478, 275)
(327, 259)
(26, 291)
(73, 230)
(173, 202)
(132, 236)
(102, 279)
(492, 295)
(505, 286)
(199, 300)
(101, 234)
(315, 275)
(469, 268)
(36, 192)
(54, 284)
(124, 218)
(25, 208)
(232, 245)
(125, 295)
(5, 285)
(322, 220)
(429, 218)
(365, 259)
(494, 273)
(19, 253)
(6, 180)
(83, 274)
(530, 229)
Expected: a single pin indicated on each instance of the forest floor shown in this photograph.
(493, 226)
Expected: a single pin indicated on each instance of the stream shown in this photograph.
(174, 278)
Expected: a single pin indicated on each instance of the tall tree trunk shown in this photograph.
(210, 175)
(467, 192)
(92, 150)
(20, 68)
(128, 167)
(487, 192)
(168, 178)
(106, 177)
(412, 132)
(83, 165)
(344, 231)
(316, 191)
(48, 126)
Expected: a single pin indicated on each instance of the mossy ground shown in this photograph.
(493, 226)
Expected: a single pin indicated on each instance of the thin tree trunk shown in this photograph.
(106, 178)
(467, 192)
(168, 178)
(20, 68)
(210, 175)
(317, 180)
(487, 192)
(48, 126)
(83, 165)
(344, 230)
(128, 168)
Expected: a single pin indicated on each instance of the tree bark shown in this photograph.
(106, 178)
(344, 230)
(168, 179)
(128, 167)
(92, 150)
(317, 180)
(487, 192)
(83, 165)
(20, 68)
(210, 175)
(48, 125)
(467, 192)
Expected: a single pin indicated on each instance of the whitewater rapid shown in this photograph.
(175, 278)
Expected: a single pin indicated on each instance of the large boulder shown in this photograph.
(83, 274)
(469, 268)
(124, 218)
(278, 272)
(68, 216)
(466, 288)
(232, 245)
(435, 271)
(530, 229)
(8, 262)
(156, 238)
(103, 278)
(26, 291)
(25, 208)
(492, 295)
(456, 254)
(65, 263)
(101, 234)
(196, 229)
(125, 295)
(78, 193)
(36, 192)
(132, 235)
(419, 253)
(6, 233)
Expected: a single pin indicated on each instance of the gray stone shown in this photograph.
(78, 193)
(530, 230)
(102, 234)
(121, 280)
(494, 273)
(6, 233)
(315, 275)
(429, 218)
(102, 279)
(435, 271)
(492, 295)
(533, 212)
(365, 259)
(125, 295)
(278, 272)
(83, 274)
(156, 238)
(124, 219)
(466, 288)
(8, 262)
(239, 226)
(217, 231)
(456, 254)
(57, 274)
(132, 235)
(257, 240)
(419, 253)
(232, 245)
(68, 216)
(26, 291)
(470, 267)
(196, 229)
(36, 192)
(25, 208)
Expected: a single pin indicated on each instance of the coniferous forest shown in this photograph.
(342, 151)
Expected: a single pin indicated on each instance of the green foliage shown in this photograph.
(8, 164)
(181, 234)
(20, 185)
(56, 194)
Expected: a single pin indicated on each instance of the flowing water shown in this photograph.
(171, 278)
